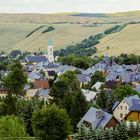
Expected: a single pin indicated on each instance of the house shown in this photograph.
(97, 86)
(134, 114)
(95, 119)
(34, 75)
(137, 88)
(30, 93)
(63, 68)
(41, 83)
(90, 95)
(35, 59)
(123, 108)
(82, 79)
(43, 94)
(51, 74)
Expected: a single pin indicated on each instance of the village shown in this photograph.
(105, 109)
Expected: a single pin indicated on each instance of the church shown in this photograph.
(49, 57)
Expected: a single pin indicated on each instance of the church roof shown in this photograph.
(36, 59)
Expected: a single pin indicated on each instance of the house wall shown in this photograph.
(112, 123)
(121, 110)
(133, 116)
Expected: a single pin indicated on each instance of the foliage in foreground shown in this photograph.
(11, 126)
(51, 123)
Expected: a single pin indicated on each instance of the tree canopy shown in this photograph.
(51, 123)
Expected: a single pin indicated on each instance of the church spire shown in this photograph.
(50, 51)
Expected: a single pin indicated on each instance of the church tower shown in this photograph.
(50, 51)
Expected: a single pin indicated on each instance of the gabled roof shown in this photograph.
(36, 59)
(90, 95)
(81, 78)
(115, 105)
(41, 84)
(51, 73)
(43, 93)
(31, 93)
(34, 75)
(91, 117)
(97, 85)
(132, 101)
(137, 88)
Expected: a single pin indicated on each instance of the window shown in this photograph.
(121, 115)
(121, 107)
(118, 107)
(125, 107)
(123, 101)
(87, 124)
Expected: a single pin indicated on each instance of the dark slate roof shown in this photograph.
(115, 105)
(36, 59)
(51, 73)
(135, 107)
(43, 93)
(137, 88)
(91, 117)
(81, 78)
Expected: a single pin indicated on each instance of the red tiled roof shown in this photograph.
(41, 84)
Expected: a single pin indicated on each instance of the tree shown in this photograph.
(101, 100)
(132, 130)
(51, 123)
(123, 91)
(10, 105)
(71, 80)
(58, 91)
(25, 109)
(97, 77)
(16, 79)
(78, 108)
(11, 126)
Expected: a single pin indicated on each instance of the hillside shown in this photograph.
(70, 28)
(63, 35)
(12, 33)
(125, 41)
(46, 18)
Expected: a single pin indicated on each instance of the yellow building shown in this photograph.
(134, 114)
(126, 107)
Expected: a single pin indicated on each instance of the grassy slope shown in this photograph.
(63, 35)
(125, 41)
(12, 33)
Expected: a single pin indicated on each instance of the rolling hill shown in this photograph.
(63, 35)
(125, 41)
(69, 29)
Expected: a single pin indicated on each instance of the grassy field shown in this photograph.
(46, 18)
(15, 27)
(13, 35)
(125, 41)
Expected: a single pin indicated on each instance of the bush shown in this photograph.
(51, 123)
(10, 126)
(48, 29)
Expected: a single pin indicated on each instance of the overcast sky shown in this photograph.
(53, 6)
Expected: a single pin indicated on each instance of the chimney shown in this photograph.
(99, 114)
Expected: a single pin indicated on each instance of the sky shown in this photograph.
(54, 6)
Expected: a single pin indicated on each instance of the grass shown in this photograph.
(12, 33)
(125, 41)
(63, 35)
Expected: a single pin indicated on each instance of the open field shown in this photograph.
(125, 41)
(46, 18)
(68, 30)
(12, 33)
(63, 35)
